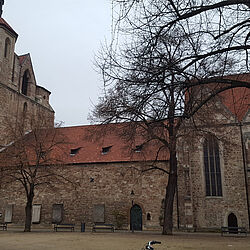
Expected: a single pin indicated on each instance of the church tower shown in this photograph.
(8, 39)
(20, 96)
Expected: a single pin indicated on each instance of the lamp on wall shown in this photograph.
(132, 194)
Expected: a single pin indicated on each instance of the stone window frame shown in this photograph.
(212, 167)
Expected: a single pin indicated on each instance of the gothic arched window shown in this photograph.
(7, 47)
(212, 167)
(25, 82)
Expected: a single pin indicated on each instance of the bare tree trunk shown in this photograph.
(170, 193)
(28, 210)
(172, 178)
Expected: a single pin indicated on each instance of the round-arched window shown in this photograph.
(148, 216)
(7, 47)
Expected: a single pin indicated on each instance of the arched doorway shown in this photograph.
(136, 218)
(232, 223)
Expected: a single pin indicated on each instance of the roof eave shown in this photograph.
(6, 27)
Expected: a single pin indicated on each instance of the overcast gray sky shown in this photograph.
(62, 37)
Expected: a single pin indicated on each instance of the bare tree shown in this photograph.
(167, 60)
(29, 160)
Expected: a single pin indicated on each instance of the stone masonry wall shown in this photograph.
(111, 185)
(108, 184)
(199, 211)
(12, 110)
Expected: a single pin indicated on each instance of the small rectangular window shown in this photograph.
(36, 214)
(57, 213)
(42, 154)
(8, 214)
(99, 213)
(105, 150)
(138, 148)
(74, 151)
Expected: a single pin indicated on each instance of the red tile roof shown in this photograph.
(82, 145)
(7, 26)
(237, 100)
(88, 142)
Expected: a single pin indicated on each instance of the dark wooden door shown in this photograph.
(232, 223)
(136, 218)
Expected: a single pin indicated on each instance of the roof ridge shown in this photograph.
(94, 125)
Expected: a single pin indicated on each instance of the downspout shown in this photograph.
(13, 69)
(245, 169)
(177, 205)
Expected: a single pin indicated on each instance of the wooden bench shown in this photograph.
(64, 226)
(3, 226)
(233, 230)
(103, 226)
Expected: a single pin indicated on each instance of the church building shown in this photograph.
(110, 181)
(109, 177)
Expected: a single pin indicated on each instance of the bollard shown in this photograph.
(83, 227)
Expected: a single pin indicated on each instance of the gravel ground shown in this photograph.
(37, 240)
